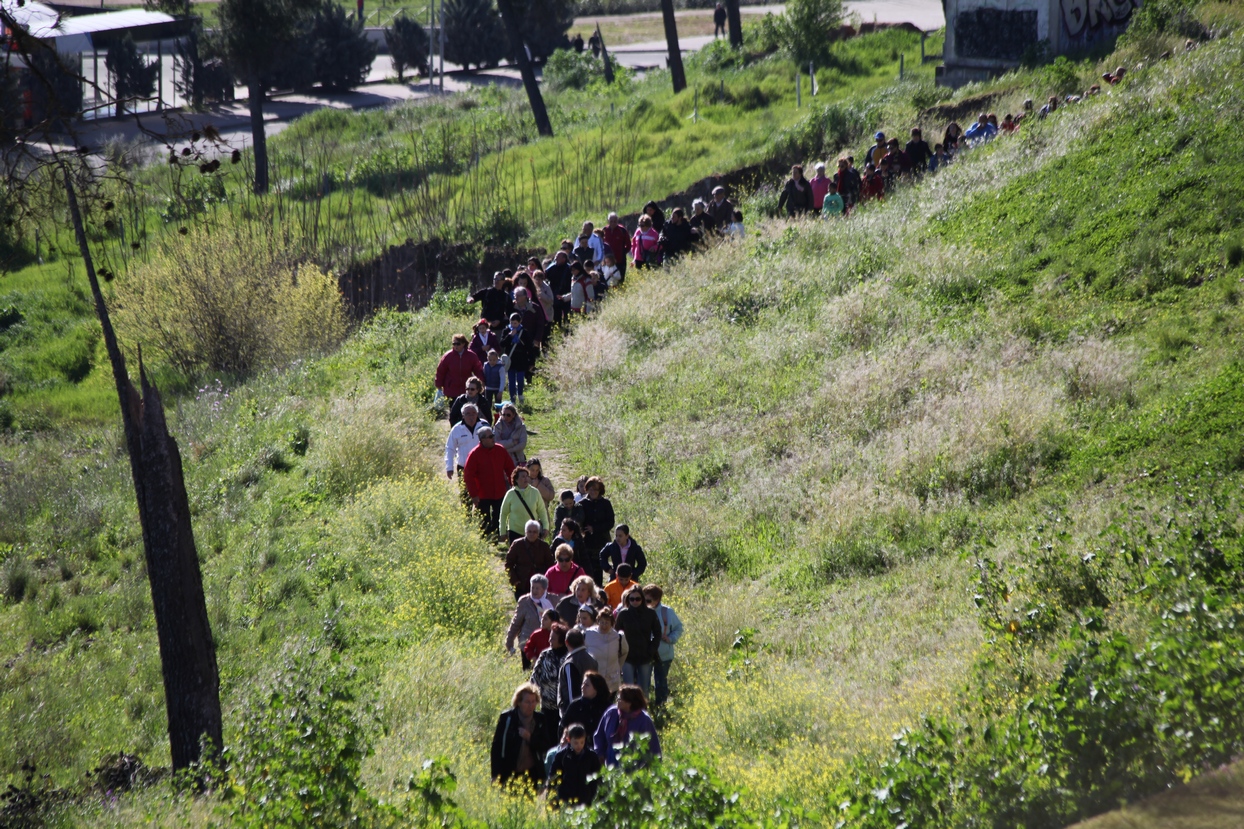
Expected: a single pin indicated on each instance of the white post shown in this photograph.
(812, 78)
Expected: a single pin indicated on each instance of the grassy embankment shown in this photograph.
(820, 429)
(810, 431)
(349, 184)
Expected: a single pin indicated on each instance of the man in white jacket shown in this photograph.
(462, 439)
(671, 632)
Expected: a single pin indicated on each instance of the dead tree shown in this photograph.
(187, 650)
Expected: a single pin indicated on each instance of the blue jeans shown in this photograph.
(517, 379)
(640, 675)
(662, 671)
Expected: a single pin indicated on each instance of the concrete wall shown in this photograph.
(986, 37)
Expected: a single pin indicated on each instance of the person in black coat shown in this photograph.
(597, 524)
(590, 706)
(797, 194)
(573, 764)
(495, 302)
(677, 235)
(623, 548)
(520, 740)
(474, 394)
(642, 628)
(656, 214)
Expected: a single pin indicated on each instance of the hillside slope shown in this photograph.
(833, 431)
(946, 494)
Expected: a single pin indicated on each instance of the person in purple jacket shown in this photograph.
(621, 722)
(484, 341)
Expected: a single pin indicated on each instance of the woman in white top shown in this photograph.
(608, 647)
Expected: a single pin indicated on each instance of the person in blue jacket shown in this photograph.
(671, 632)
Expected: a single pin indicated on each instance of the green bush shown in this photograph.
(408, 45)
(1132, 710)
(341, 53)
(300, 756)
(232, 299)
(568, 69)
(474, 34)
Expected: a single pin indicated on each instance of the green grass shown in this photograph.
(816, 433)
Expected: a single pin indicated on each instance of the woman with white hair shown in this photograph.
(461, 440)
(527, 615)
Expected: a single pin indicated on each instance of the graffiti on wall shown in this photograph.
(1086, 17)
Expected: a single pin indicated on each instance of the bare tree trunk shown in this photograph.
(543, 125)
(671, 41)
(187, 652)
(259, 139)
(735, 22)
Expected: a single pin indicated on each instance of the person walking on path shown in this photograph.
(457, 365)
(521, 505)
(562, 574)
(483, 340)
(578, 661)
(609, 647)
(520, 740)
(616, 589)
(536, 471)
(643, 637)
(820, 187)
(474, 395)
(721, 208)
(719, 21)
(797, 194)
(494, 302)
(544, 676)
(527, 557)
(622, 722)
(623, 550)
(582, 592)
(518, 347)
(461, 440)
(619, 242)
(487, 474)
(594, 698)
(598, 521)
(573, 775)
(512, 434)
(646, 244)
(671, 632)
(528, 616)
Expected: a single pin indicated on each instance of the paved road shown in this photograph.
(381, 89)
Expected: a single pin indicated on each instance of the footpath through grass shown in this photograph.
(895, 474)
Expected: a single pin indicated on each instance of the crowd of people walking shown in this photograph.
(595, 642)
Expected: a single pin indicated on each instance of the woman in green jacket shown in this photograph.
(521, 504)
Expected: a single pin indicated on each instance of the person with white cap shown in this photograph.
(820, 186)
(720, 208)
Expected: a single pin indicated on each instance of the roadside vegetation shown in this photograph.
(947, 493)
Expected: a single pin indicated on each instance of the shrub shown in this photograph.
(408, 45)
(341, 52)
(234, 299)
(1132, 710)
(473, 33)
(806, 30)
(131, 76)
(568, 69)
(300, 756)
(362, 441)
